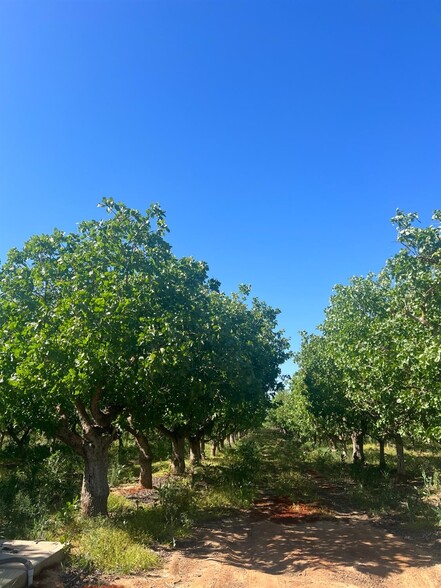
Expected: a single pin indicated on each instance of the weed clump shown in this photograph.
(113, 550)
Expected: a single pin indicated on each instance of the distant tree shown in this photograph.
(290, 411)
(381, 333)
(218, 369)
(365, 338)
(335, 415)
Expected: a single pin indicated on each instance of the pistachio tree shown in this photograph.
(290, 411)
(415, 273)
(218, 369)
(335, 415)
(72, 310)
(367, 341)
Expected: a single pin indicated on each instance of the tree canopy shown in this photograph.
(106, 323)
(375, 365)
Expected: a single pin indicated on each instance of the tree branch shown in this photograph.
(85, 421)
(69, 437)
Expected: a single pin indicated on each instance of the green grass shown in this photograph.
(113, 550)
(412, 501)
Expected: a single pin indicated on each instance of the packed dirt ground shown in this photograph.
(268, 547)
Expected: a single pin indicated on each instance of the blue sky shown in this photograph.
(279, 136)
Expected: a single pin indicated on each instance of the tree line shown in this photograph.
(105, 330)
(374, 365)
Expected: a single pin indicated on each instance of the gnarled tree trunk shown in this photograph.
(195, 450)
(357, 447)
(178, 455)
(95, 489)
(92, 445)
(145, 455)
(178, 450)
(145, 458)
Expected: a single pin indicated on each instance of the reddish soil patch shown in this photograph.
(138, 493)
(281, 509)
(101, 586)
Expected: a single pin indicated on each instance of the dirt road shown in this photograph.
(278, 544)
(340, 551)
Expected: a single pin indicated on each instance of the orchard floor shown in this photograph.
(337, 550)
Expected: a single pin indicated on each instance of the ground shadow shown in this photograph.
(255, 544)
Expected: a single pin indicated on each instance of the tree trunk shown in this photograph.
(214, 448)
(145, 454)
(146, 470)
(178, 457)
(98, 434)
(195, 450)
(203, 448)
(358, 447)
(344, 453)
(401, 466)
(222, 444)
(178, 448)
(95, 489)
(382, 443)
(145, 458)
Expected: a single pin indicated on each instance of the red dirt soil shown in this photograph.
(252, 550)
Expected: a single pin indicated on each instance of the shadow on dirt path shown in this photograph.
(251, 552)
(348, 544)
(277, 544)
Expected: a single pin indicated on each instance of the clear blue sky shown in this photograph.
(279, 136)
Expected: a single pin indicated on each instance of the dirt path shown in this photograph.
(341, 551)
(281, 545)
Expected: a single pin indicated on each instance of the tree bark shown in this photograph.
(382, 444)
(146, 470)
(92, 445)
(145, 458)
(358, 447)
(195, 450)
(214, 448)
(178, 457)
(95, 489)
(178, 448)
(145, 454)
(401, 466)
